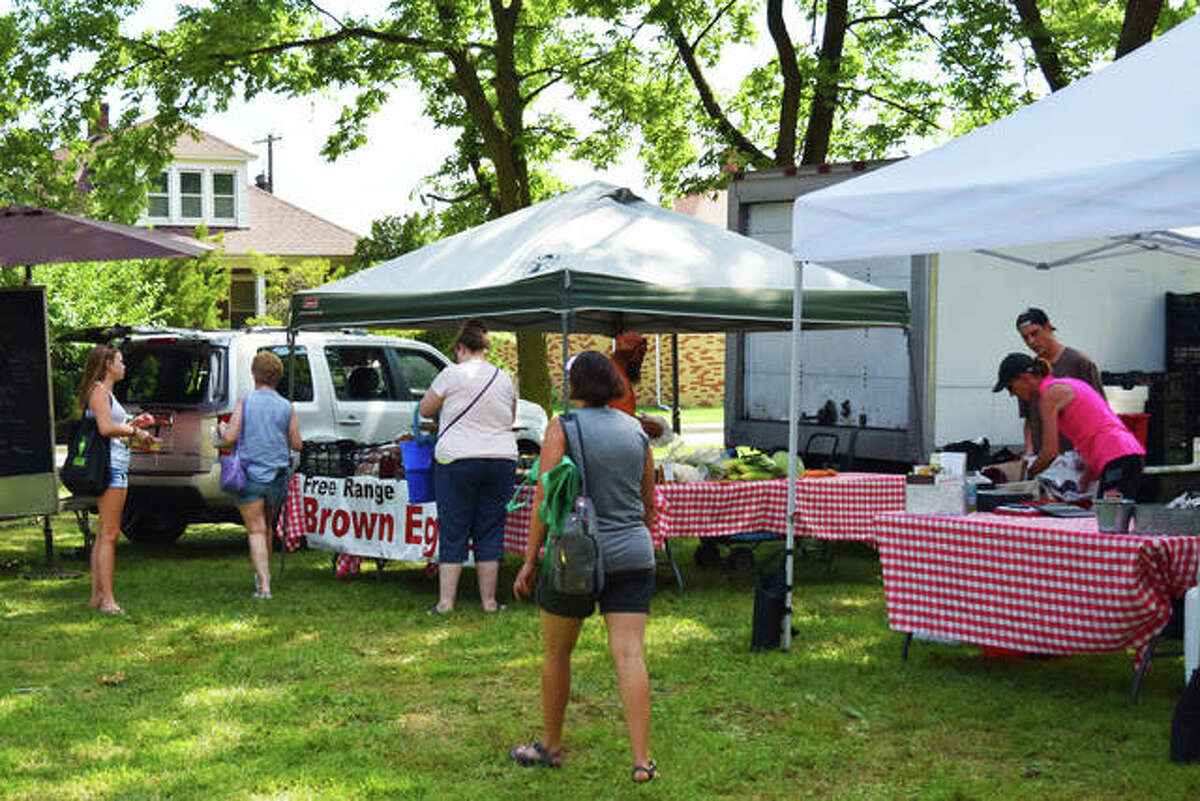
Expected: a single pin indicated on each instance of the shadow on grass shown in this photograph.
(347, 689)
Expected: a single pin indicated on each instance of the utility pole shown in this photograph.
(270, 140)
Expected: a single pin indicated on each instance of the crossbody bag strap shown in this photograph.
(472, 403)
(582, 455)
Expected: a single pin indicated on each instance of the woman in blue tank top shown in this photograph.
(620, 469)
(270, 429)
(103, 369)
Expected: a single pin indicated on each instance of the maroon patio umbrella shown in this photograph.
(31, 235)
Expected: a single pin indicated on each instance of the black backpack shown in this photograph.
(85, 470)
(1185, 724)
(576, 563)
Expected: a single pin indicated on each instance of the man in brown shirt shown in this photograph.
(1037, 331)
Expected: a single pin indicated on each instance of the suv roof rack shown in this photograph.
(262, 329)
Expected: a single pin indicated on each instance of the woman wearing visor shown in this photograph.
(1069, 406)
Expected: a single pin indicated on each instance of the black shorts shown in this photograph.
(626, 591)
(1124, 474)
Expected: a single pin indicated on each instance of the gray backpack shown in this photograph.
(576, 565)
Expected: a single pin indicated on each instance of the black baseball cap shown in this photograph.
(1032, 316)
(1012, 366)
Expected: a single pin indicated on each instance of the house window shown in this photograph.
(243, 298)
(191, 195)
(223, 197)
(159, 196)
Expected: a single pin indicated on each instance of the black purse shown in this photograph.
(576, 565)
(85, 470)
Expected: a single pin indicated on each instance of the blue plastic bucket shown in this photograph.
(418, 470)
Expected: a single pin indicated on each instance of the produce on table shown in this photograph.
(698, 463)
(685, 464)
(752, 465)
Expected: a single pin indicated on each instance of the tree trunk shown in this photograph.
(789, 99)
(825, 92)
(1043, 46)
(1141, 17)
(535, 370)
(501, 128)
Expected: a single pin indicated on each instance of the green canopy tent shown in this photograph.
(597, 259)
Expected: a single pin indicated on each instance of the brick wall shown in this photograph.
(701, 364)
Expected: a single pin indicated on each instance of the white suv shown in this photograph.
(349, 385)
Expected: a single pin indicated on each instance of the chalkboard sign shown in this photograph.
(27, 478)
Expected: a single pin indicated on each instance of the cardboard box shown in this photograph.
(935, 495)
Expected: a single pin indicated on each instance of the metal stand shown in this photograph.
(49, 571)
(674, 566)
(1144, 666)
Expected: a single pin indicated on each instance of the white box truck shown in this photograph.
(885, 395)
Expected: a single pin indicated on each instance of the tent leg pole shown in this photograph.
(658, 370)
(291, 344)
(566, 392)
(675, 424)
(48, 536)
(793, 450)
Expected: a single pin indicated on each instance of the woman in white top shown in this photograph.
(476, 464)
(103, 369)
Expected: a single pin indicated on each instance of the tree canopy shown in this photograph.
(848, 79)
(839, 80)
(482, 67)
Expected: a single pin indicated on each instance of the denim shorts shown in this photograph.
(624, 591)
(273, 491)
(471, 496)
(118, 478)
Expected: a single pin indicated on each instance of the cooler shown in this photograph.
(1139, 424)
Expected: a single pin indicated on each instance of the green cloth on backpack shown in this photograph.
(561, 485)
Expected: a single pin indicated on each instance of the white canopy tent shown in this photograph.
(1115, 155)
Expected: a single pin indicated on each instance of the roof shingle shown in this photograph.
(277, 228)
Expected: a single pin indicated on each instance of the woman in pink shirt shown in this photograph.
(1110, 451)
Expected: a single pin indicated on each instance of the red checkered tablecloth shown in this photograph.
(837, 507)
(840, 507)
(1043, 585)
(844, 507)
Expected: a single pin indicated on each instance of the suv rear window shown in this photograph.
(169, 374)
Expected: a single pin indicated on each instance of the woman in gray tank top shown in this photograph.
(620, 471)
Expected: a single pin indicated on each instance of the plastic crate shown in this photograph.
(1182, 317)
(1174, 408)
(346, 457)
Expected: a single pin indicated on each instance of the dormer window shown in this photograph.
(159, 197)
(194, 193)
(224, 205)
(191, 195)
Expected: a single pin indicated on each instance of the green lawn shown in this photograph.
(347, 689)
